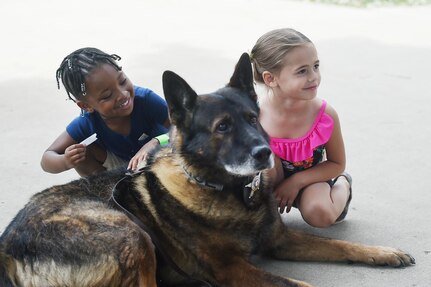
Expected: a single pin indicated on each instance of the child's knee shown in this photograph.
(317, 214)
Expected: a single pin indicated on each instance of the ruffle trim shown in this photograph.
(299, 149)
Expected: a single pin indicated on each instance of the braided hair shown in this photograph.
(76, 66)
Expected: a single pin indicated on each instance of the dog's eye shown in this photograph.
(222, 127)
(253, 120)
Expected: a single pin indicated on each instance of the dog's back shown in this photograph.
(68, 235)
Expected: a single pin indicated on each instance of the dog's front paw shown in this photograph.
(388, 256)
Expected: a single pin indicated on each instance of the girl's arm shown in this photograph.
(335, 154)
(63, 154)
(288, 189)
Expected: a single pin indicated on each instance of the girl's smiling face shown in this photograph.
(299, 77)
(109, 92)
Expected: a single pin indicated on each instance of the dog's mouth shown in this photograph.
(250, 167)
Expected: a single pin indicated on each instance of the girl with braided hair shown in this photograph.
(126, 118)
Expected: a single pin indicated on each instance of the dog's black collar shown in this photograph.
(250, 188)
(203, 182)
(252, 185)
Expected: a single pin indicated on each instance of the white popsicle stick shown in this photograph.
(91, 139)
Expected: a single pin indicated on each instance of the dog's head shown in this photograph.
(219, 132)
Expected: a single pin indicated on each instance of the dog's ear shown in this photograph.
(181, 98)
(242, 77)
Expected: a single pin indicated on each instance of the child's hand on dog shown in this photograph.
(142, 154)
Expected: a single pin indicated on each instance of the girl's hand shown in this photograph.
(286, 193)
(142, 154)
(74, 154)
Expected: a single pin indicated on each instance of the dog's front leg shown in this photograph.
(239, 273)
(298, 246)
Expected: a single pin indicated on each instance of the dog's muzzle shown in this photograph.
(263, 157)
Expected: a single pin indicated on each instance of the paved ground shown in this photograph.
(375, 66)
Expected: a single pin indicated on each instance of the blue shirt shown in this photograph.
(149, 114)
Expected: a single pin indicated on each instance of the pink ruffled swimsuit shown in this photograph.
(304, 152)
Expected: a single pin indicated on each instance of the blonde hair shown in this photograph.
(269, 51)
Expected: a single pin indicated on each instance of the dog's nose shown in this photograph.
(261, 153)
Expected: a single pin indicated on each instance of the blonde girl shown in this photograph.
(305, 133)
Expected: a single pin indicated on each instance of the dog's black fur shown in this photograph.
(192, 196)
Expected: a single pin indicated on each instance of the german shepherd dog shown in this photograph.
(203, 197)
